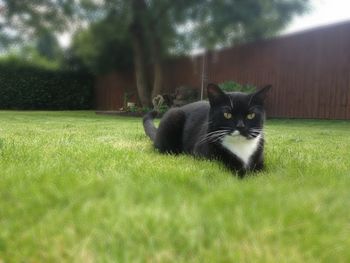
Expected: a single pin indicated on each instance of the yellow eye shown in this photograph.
(228, 115)
(251, 116)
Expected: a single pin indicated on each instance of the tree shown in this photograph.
(47, 46)
(31, 27)
(159, 28)
(100, 49)
(155, 24)
(27, 20)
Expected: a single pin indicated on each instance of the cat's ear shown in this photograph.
(259, 96)
(215, 94)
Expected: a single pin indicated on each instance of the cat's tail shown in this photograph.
(148, 124)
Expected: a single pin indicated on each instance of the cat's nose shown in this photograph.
(240, 124)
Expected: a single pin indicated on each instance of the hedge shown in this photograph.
(30, 88)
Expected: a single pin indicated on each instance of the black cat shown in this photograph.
(228, 128)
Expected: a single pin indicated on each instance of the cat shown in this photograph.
(228, 128)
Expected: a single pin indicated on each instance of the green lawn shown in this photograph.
(77, 187)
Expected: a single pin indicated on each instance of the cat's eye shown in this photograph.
(227, 115)
(251, 116)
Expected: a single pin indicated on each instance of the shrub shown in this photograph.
(26, 87)
(230, 86)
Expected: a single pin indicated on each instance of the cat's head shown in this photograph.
(236, 113)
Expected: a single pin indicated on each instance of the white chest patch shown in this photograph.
(241, 146)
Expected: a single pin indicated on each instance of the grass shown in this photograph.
(76, 187)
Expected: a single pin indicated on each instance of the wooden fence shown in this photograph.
(309, 71)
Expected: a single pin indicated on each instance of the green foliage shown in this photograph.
(102, 48)
(163, 109)
(76, 187)
(31, 88)
(133, 109)
(43, 53)
(25, 21)
(178, 26)
(47, 46)
(28, 57)
(230, 86)
(145, 109)
(155, 28)
(218, 23)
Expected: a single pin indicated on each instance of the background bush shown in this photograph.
(26, 87)
(230, 86)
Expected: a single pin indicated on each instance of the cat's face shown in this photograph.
(236, 113)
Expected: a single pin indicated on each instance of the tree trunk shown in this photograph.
(156, 52)
(142, 85)
(157, 48)
(158, 75)
(140, 62)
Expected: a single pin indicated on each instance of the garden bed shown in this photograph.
(122, 113)
(125, 113)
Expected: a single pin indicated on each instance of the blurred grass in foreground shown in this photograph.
(76, 187)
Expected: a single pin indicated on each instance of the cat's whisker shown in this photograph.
(231, 102)
(218, 131)
(219, 138)
(226, 128)
(216, 139)
(208, 140)
(214, 136)
(256, 130)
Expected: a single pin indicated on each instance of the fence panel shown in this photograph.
(309, 71)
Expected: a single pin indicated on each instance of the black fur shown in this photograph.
(150, 130)
(198, 128)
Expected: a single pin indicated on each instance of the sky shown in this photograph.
(323, 12)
